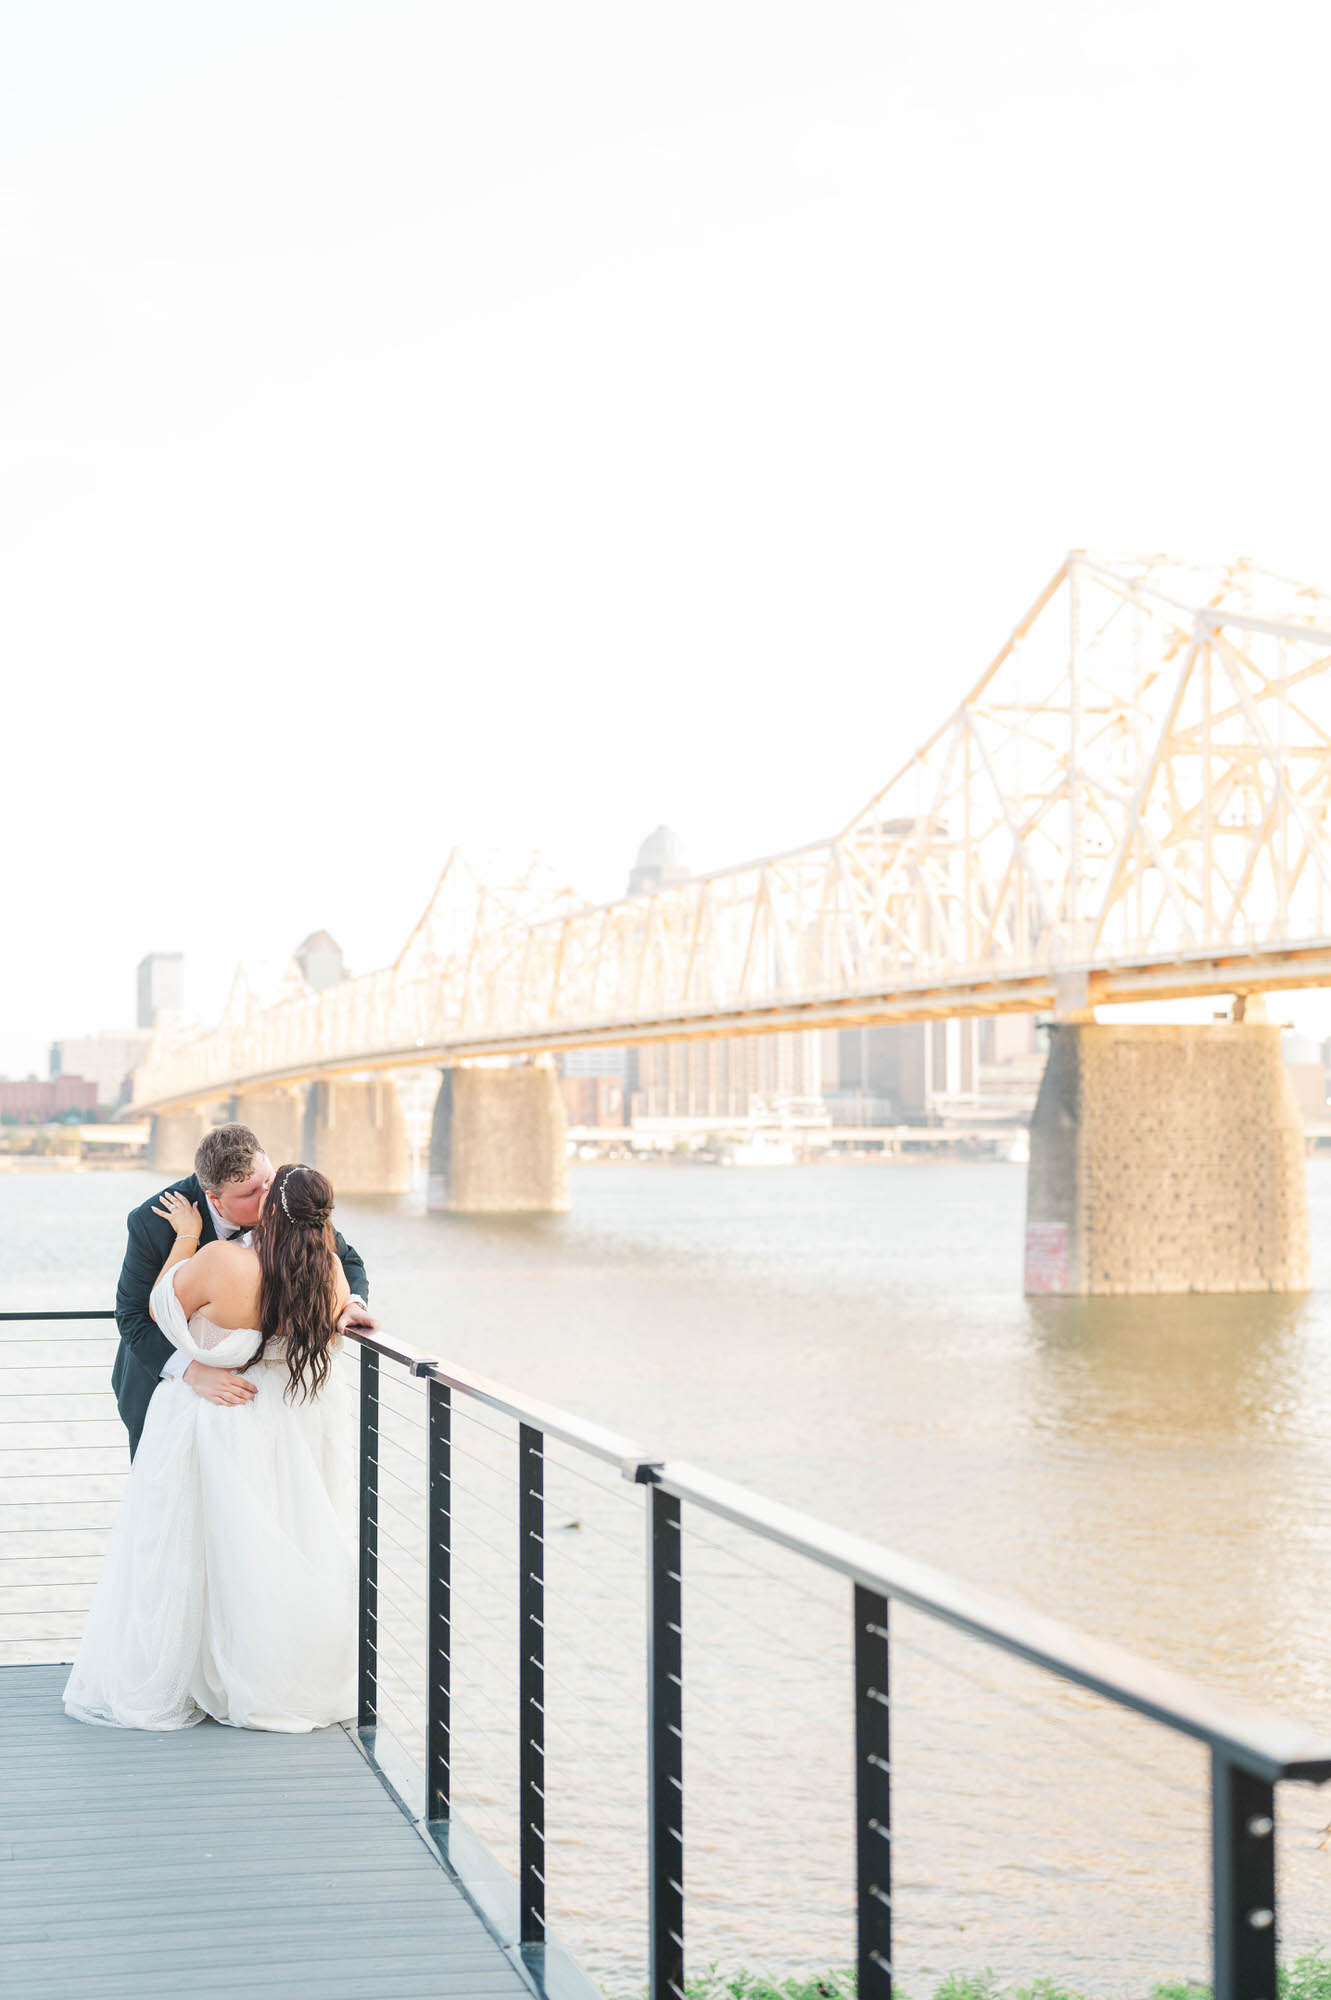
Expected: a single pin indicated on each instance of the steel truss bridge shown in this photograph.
(1130, 803)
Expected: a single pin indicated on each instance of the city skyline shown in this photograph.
(657, 428)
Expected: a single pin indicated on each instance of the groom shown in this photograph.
(231, 1175)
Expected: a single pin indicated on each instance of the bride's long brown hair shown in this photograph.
(298, 1272)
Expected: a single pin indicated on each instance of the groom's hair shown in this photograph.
(227, 1153)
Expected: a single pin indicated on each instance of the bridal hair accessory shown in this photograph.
(322, 1206)
(282, 1190)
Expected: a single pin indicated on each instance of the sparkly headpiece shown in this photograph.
(282, 1189)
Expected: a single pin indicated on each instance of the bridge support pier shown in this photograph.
(1166, 1159)
(354, 1133)
(277, 1117)
(174, 1141)
(497, 1146)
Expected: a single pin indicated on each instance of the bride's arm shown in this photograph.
(341, 1298)
(204, 1283)
(190, 1288)
(187, 1223)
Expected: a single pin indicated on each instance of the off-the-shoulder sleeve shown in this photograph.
(232, 1351)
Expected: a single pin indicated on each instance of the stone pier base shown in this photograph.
(1166, 1159)
(498, 1143)
(354, 1133)
(174, 1141)
(277, 1117)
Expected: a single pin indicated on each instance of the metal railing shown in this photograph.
(54, 1524)
(1250, 1752)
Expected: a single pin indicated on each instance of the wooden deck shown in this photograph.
(217, 1861)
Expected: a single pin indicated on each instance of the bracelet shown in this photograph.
(187, 1239)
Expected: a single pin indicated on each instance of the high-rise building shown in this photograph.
(320, 959)
(726, 1076)
(659, 864)
(903, 1071)
(108, 1060)
(161, 986)
(714, 1078)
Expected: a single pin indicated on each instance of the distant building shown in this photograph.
(722, 1077)
(1012, 1055)
(33, 1102)
(917, 1072)
(161, 986)
(593, 1100)
(659, 864)
(716, 1078)
(108, 1060)
(320, 959)
(594, 1062)
(901, 1072)
(913, 1072)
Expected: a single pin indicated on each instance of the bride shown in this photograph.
(229, 1587)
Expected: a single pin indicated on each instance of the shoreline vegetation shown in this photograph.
(1307, 1978)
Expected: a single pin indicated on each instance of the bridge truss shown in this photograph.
(1131, 802)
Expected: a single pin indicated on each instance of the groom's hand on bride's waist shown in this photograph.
(219, 1385)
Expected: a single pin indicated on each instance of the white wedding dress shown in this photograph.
(229, 1587)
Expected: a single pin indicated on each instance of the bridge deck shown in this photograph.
(216, 1861)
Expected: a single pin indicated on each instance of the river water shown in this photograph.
(851, 1339)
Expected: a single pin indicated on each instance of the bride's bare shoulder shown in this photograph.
(223, 1262)
(222, 1278)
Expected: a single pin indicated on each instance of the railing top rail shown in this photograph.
(102, 1312)
(1269, 1745)
(625, 1454)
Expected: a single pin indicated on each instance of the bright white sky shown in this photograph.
(526, 423)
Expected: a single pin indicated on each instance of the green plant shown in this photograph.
(1308, 1978)
(715, 1985)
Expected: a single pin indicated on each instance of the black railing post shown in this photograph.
(439, 1650)
(873, 1797)
(665, 1745)
(531, 1682)
(1243, 1856)
(367, 1678)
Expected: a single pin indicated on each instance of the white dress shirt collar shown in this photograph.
(226, 1230)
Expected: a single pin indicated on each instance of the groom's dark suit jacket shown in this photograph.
(144, 1349)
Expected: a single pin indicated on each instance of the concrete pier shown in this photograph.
(278, 1119)
(175, 1139)
(498, 1144)
(355, 1134)
(1166, 1159)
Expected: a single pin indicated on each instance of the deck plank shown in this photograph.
(215, 1861)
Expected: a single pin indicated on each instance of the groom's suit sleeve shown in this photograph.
(144, 1259)
(354, 1269)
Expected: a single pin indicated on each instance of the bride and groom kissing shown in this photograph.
(229, 1585)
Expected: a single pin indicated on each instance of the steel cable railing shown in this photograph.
(61, 1475)
(470, 1642)
(1248, 1752)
